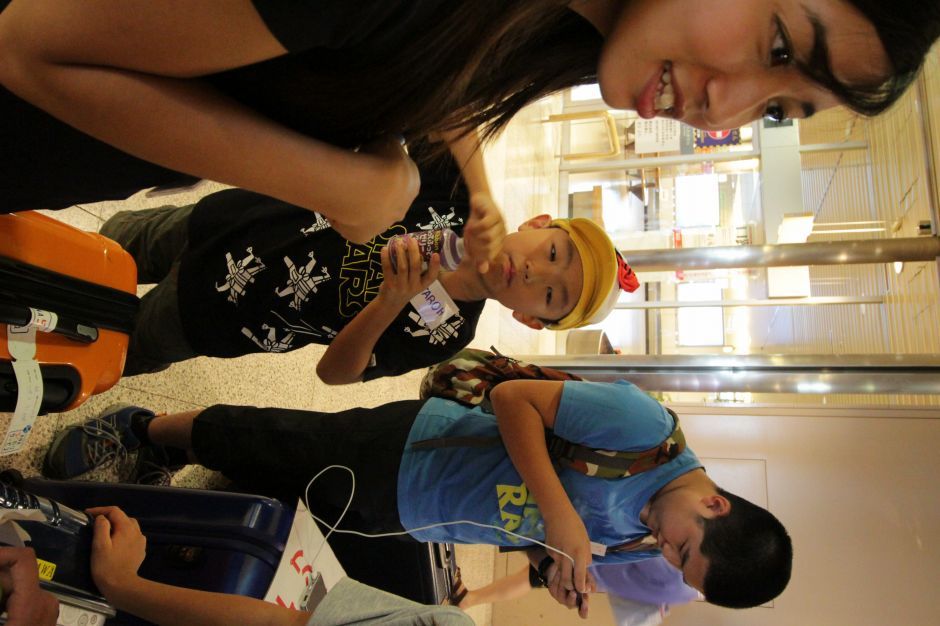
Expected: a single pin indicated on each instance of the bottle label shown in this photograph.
(434, 305)
(444, 242)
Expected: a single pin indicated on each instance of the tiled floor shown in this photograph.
(289, 380)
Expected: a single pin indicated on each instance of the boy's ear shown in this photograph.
(539, 221)
(528, 320)
(717, 505)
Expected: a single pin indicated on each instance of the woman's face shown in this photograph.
(718, 64)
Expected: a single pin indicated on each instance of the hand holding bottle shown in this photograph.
(445, 243)
(406, 276)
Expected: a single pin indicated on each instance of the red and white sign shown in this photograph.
(308, 568)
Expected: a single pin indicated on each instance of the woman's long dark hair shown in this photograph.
(536, 48)
(907, 30)
(473, 64)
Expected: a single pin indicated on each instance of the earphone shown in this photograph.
(333, 527)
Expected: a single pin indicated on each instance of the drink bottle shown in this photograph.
(443, 241)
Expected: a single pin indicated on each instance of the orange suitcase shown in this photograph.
(89, 283)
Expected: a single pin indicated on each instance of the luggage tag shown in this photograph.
(44, 321)
(434, 305)
(21, 344)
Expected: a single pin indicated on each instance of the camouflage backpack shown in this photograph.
(470, 375)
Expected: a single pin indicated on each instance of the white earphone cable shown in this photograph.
(333, 528)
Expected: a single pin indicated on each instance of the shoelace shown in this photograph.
(154, 474)
(104, 443)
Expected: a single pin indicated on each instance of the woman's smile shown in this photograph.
(719, 64)
(661, 97)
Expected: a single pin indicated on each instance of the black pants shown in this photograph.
(275, 452)
(156, 238)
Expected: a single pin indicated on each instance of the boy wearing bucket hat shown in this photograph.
(240, 273)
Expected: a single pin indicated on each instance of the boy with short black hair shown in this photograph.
(737, 554)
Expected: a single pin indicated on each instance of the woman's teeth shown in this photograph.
(665, 96)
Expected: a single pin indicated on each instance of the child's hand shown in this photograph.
(484, 232)
(566, 532)
(565, 595)
(406, 279)
(118, 548)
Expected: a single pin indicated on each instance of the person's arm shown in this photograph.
(120, 72)
(524, 409)
(118, 549)
(25, 603)
(509, 587)
(348, 355)
(485, 229)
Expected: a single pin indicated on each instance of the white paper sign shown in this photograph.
(308, 568)
(656, 135)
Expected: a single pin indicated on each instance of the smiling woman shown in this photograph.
(718, 65)
(99, 101)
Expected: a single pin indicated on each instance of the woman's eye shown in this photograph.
(552, 253)
(548, 297)
(774, 112)
(781, 51)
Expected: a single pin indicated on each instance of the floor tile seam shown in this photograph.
(89, 212)
(195, 405)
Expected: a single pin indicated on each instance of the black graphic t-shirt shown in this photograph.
(265, 276)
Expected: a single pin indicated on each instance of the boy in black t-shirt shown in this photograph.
(239, 272)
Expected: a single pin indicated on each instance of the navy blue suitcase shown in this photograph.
(208, 540)
(226, 542)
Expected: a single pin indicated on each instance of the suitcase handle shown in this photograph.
(19, 315)
(104, 307)
(57, 515)
(199, 535)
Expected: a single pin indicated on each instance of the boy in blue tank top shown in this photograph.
(734, 552)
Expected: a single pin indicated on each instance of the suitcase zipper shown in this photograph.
(82, 301)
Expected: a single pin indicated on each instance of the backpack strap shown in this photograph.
(580, 458)
(613, 464)
(469, 376)
(457, 442)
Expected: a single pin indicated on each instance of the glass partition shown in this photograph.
(667, 185)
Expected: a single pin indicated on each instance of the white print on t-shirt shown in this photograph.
(439, 335)
(271, 343)
(300, 282)
(303, 328)
(440, 222)
(240, 274)
(321, 223)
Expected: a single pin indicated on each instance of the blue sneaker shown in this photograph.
(98, 442)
